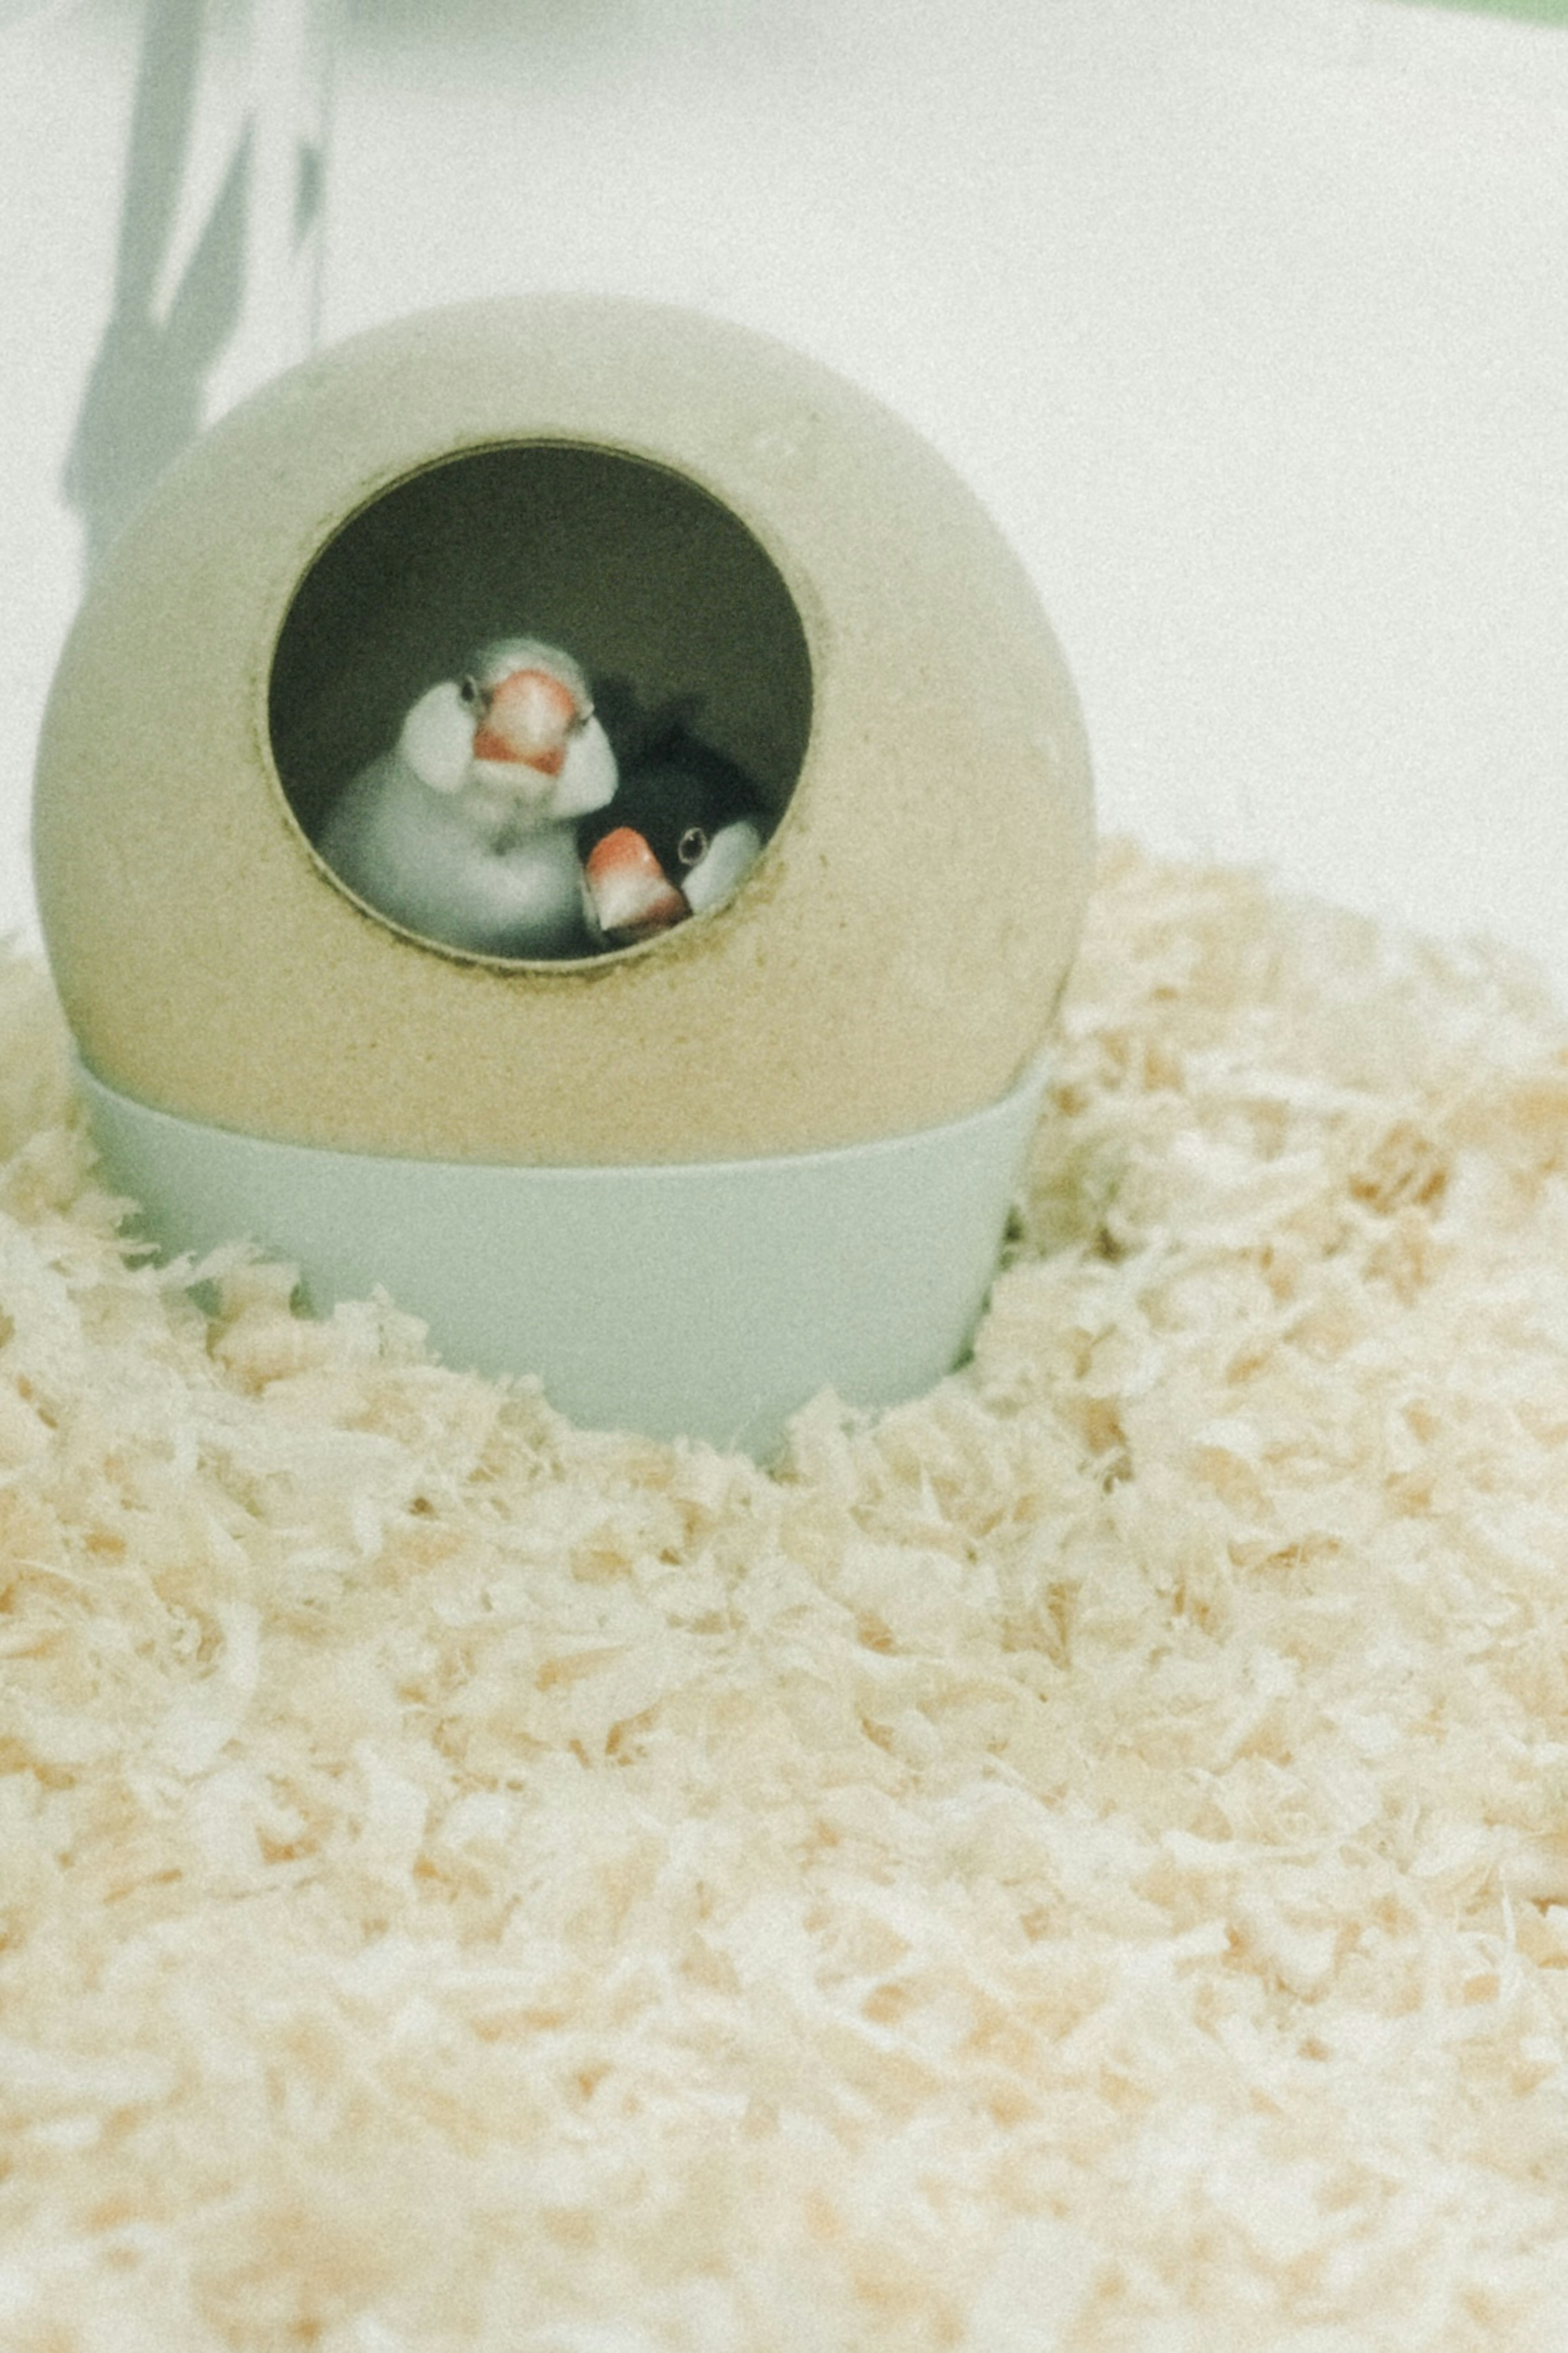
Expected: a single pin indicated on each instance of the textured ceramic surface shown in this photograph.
(695, 509)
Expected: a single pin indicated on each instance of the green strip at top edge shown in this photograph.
(1537, 12)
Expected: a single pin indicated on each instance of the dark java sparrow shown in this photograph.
(682, 830)
(466, 831)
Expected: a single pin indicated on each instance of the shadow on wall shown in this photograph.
(217, 271)
(150, 386)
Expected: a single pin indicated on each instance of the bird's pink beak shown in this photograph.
(527, 719)
(632, 897)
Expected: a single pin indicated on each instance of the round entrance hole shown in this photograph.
(682, 644)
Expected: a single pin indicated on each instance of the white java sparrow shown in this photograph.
(466, 832)
(684, 828)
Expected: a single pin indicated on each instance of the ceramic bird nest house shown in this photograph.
(688, 1166)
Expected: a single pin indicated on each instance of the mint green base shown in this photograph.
(709, 1298)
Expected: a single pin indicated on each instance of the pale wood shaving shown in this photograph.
(1079, 1862)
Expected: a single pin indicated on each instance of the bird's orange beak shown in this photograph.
(527, 719)
(632, 897)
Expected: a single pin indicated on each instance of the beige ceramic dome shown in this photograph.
(709, 521)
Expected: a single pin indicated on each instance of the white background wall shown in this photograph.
(1247, 318)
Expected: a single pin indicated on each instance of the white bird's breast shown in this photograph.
(439, 865)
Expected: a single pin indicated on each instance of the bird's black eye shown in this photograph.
(580, 717)
(692, 845)
(468, 692)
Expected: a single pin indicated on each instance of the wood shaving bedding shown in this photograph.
(1079, 1862)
